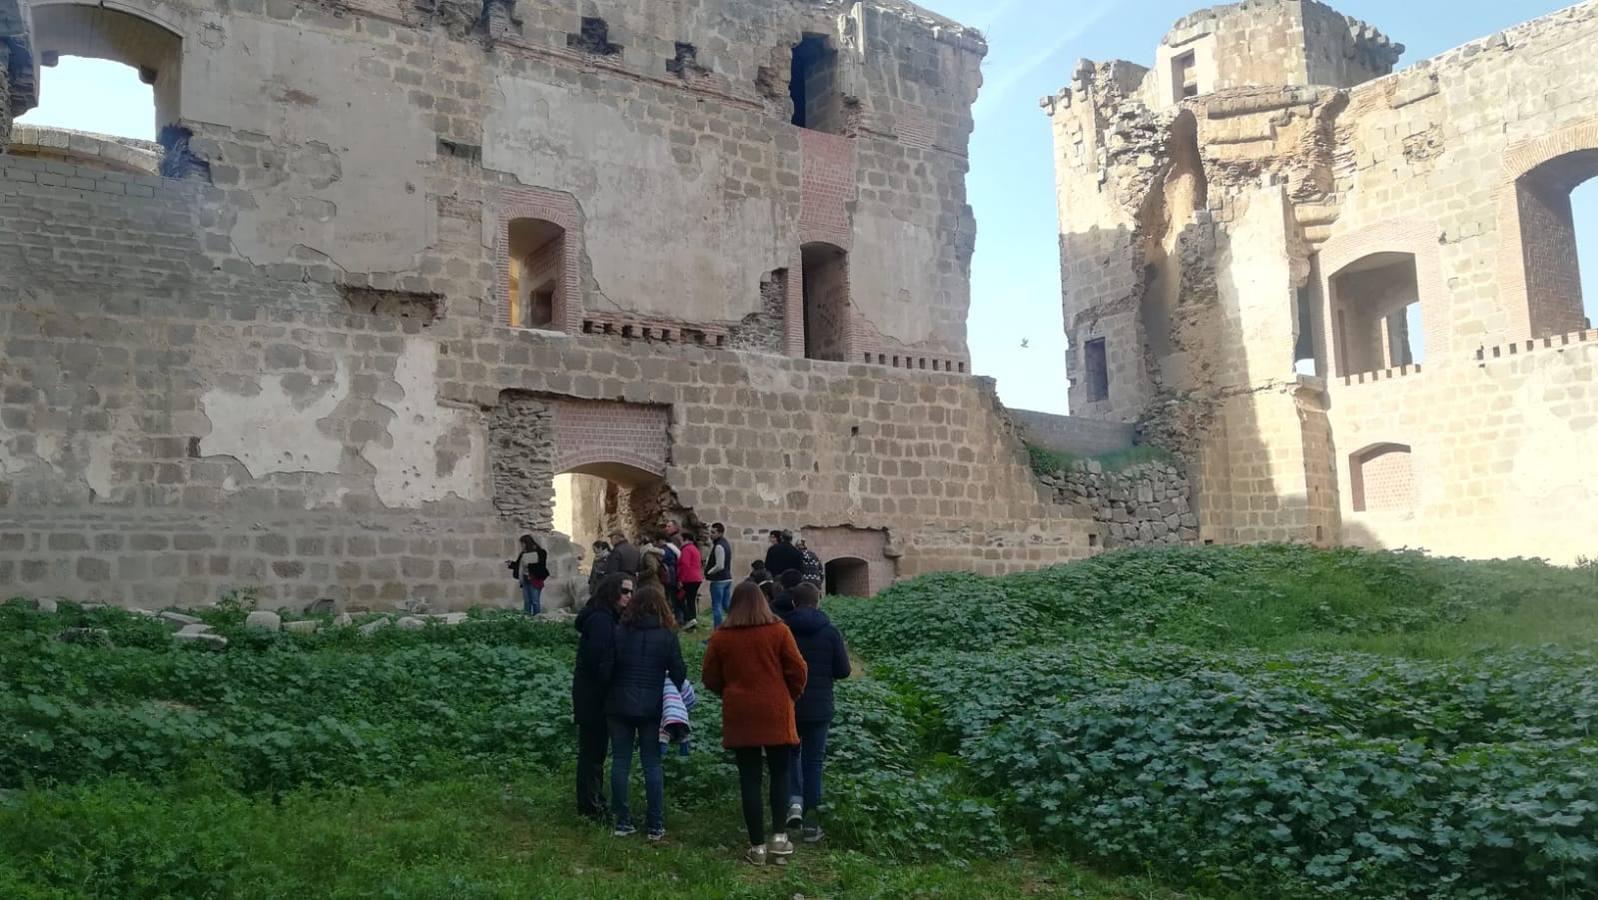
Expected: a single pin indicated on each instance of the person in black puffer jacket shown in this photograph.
(822, 646)
(647, 653)
(596, 652)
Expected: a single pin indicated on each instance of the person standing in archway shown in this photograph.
(624, 557)
(754, 665)
(719, 573)
(813, 571)
(782, 556)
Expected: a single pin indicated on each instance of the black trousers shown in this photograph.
(688, 606)
(749, 788)
(593, 739)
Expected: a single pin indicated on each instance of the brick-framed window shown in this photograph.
(537, 248)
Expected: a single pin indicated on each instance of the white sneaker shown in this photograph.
(779, 846)
(796, 817)
(756, 855)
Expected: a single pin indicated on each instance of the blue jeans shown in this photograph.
(645, 735)
(804, 772)
(720, 600)
(531, 597)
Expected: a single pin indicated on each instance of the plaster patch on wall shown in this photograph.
(434, 452)
(84, 458)
(892, 258)
(272, 431)
(640, 192)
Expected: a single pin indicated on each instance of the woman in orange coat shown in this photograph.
(754, 665)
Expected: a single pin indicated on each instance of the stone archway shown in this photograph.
(848, 576)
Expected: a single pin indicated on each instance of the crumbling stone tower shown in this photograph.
(394, 266)
(1349, 297)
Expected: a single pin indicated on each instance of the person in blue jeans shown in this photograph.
(647, 652)
(718, 572)
(826, 655)
(531, 570)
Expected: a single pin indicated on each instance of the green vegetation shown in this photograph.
(1051, 462)
(1225, 722)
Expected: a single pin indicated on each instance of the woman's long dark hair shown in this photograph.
(607, 594)
(650, 600)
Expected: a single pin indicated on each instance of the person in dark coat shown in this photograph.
(647, 653)
(782, 556)
(827, 658)
(624, 558)
(783, 602)
(596, 651)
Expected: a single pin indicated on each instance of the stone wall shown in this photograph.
(1075, 435)
(171, 430)
(1207, 282)
(1139, 506)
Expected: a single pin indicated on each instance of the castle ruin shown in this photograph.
(393, 267)
(1348, 297)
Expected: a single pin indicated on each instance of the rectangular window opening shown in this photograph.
(1097, 370)
(813, 85)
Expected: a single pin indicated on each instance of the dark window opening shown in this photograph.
(1304, 360)
(594, 37)
(848, 577)
(1098, 370)
(813, 86)
(826, 302)
(686, 63)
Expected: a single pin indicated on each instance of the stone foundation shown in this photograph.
(1138, 506)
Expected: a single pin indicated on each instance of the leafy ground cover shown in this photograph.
(1227, 722)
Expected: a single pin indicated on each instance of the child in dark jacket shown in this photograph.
(827, 658)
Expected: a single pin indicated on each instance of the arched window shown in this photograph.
(1376, 314)
(1548, 240)
(826, 302)
(105, 71)
(537, 274)
(1382, 478)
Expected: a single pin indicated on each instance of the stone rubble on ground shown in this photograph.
(178, 620)
(411, 623)
(304, 626)
(374, 626)
(261, 620)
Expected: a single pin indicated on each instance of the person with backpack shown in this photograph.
(647, 653)
(826, 660)
(754, 665)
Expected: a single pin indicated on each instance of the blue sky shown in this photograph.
(1034, 45)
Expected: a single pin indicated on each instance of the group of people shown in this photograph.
(772, 658)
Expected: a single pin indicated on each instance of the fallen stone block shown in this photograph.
(305, 626)
(374, 626)
(205, 639)
(178, 620)
(411, 623)
(261, 620)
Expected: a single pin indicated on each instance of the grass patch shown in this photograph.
(1052, 462)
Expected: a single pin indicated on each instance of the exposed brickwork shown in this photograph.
(590, 433)
(843, 544)
(549, 206)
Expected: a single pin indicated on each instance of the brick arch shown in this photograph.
(1404, 235)
(1382, 478)
(599, 436)
(1525, 313)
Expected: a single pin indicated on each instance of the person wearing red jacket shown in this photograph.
(690, 575)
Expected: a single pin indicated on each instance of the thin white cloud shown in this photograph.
(1003, 79)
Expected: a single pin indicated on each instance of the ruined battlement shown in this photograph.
(1271, 201)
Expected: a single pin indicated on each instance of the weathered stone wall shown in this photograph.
(1139, 506)
(1455, 171)
(1075, 435)
(171, 430)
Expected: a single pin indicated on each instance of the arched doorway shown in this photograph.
(593, 502)
(1376, 314)
(848, 576)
